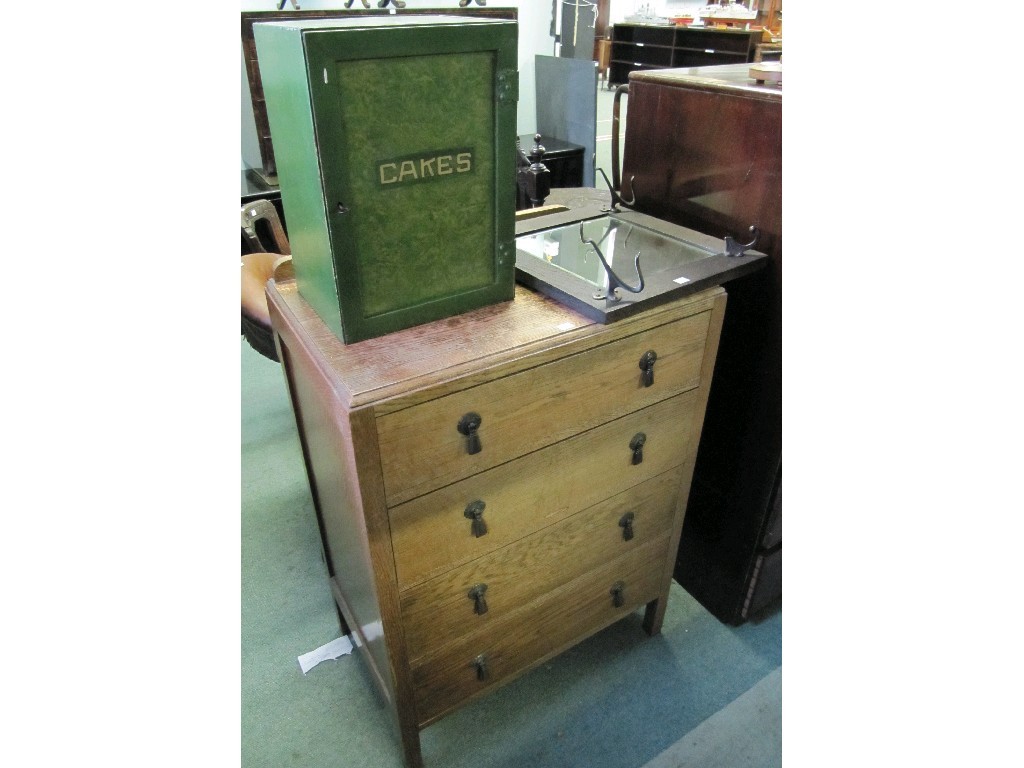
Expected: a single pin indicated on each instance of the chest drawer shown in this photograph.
(432, 533)
(538, 630)
(422, 448)
(485, 590)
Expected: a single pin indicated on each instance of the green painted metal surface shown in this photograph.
(395, 142)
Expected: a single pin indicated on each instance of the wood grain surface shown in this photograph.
(431, 360)
(431, 533)
(421, 448)
(537, 631)
(561, 399)
(440, 611)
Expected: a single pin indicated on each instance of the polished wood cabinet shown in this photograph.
(495, 487)
(703, 149)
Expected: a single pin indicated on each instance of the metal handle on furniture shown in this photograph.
(617, 590)
(480, 662)
(475, 512)
(476, 594)
(468, 425)
(637, 446)
(647, 361)
(626, 524)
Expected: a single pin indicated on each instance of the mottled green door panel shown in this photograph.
(425, 171)
(414, 129)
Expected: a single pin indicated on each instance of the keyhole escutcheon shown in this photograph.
(480, 662)
(637, 446)
(618, 594)
(468, 426)
(476, 594)
(475, 512)
(647, 361)
(626, 523)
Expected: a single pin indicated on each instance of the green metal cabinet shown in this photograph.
(395, 144)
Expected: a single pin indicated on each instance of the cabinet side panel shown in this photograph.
(362, 436)
(324, 427)
(286, 89)
(656, 610)
(342, 458)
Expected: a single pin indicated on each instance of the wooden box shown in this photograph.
(395, 146)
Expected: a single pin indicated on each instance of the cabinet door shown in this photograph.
(415, 127)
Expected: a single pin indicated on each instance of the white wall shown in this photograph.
(534, 38)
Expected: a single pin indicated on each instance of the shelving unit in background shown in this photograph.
(643, 47)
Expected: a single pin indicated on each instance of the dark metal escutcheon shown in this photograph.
(637, 446)
(617, 590)
(476, 594)
(647, 361)
(626, 523)
(480, 662)
(475, 512)
(468, 425)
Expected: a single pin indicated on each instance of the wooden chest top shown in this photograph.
(394, 367)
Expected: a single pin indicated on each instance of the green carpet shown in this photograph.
(700, 694)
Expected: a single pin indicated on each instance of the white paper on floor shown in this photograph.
(332, 650)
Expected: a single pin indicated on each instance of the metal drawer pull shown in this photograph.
(468, 425)
(618, 599)
(637, 446)
(476, 594)
(475, 512)
(647, 361)
(626, 523)
(480, 662)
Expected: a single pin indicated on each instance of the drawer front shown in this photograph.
(434, 533)
(482, 592)
(422, 447)
(537, 631)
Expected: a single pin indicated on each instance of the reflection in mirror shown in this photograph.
(563, 247)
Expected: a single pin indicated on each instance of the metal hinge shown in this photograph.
(507, 86)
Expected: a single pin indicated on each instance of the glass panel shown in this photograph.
(619, 241)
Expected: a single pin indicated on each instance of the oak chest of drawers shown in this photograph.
(495, 487)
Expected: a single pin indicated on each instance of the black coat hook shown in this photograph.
(614, 281)
(733, 248)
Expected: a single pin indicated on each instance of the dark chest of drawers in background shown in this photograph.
(705, 147)
(563, 158)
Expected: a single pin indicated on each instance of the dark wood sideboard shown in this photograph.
(704, 148)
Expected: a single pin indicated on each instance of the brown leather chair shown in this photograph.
(264, 234)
